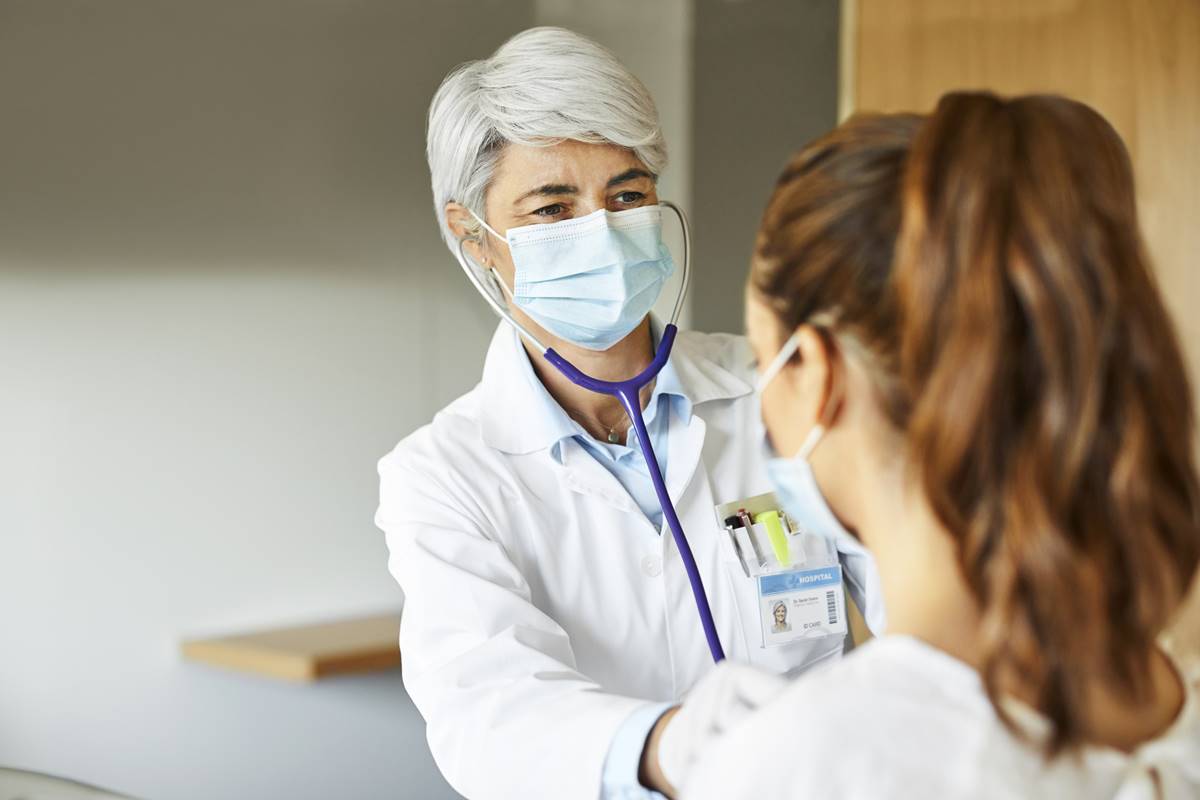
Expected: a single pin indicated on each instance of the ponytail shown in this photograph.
(1049, 417)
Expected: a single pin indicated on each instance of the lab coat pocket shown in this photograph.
(791, 658)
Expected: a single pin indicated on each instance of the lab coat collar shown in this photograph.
(702, 377)
(519, 416)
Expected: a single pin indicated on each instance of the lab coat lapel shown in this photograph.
(684, 445)
(691, 489)
(518, 416)
(685, 441)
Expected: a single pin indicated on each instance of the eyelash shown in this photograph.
(555, 209)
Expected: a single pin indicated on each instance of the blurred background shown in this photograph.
(223, 297)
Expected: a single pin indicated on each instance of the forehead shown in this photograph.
(522, 166)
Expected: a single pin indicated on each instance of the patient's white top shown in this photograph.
(900, 719)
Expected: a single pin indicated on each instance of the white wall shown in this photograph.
(183, 455)
(216, 255)
(217, 259)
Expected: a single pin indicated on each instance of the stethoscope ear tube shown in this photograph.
(686, 276)
(628, 392)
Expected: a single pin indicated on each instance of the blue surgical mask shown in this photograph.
(796, 488)
(591, 280)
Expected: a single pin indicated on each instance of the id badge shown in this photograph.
(801, 604)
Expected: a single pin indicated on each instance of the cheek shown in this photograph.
(779, 417)
(501, 261)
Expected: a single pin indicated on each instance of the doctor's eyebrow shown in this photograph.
(629, 175)
(549, 190)
(560, 189)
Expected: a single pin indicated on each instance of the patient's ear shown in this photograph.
(466, 228)
(815, 378)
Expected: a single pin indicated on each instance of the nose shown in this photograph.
(591, 203)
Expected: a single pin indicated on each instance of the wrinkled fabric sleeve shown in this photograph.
(508, 714)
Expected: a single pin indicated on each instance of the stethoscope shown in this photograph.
(628, 393)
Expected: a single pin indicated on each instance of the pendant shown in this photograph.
(613, 438)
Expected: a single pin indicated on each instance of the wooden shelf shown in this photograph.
(306, 653)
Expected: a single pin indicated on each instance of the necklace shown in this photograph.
(614, 434)
(614, 431)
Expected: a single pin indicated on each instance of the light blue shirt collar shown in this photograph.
(699, 370)
(560, 426)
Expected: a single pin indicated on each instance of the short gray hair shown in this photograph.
(543, 86)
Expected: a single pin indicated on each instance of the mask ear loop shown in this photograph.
(810, 442)
(781, 358)
(495, 276)
(489, 228)
(832, 404)
(473, 274)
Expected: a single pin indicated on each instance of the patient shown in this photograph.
(1000, 412)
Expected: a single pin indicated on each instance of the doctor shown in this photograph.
(548, 623)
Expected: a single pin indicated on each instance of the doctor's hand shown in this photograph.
(722, 699)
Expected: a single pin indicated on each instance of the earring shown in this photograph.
(483, 260)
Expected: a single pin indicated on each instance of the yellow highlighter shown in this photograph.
(776, 536)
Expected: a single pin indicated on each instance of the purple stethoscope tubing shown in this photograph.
(627, 392)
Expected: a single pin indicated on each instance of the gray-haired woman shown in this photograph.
(527, 499)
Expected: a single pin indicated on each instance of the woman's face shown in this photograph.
(538, 185)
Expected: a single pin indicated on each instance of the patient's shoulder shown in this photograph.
(888, 680)
(863, 727)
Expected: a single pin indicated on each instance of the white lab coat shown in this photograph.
(541, 606)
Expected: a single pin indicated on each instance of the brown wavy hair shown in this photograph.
(987, 261)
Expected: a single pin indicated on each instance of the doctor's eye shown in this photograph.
(552, 210)
(630, 198)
